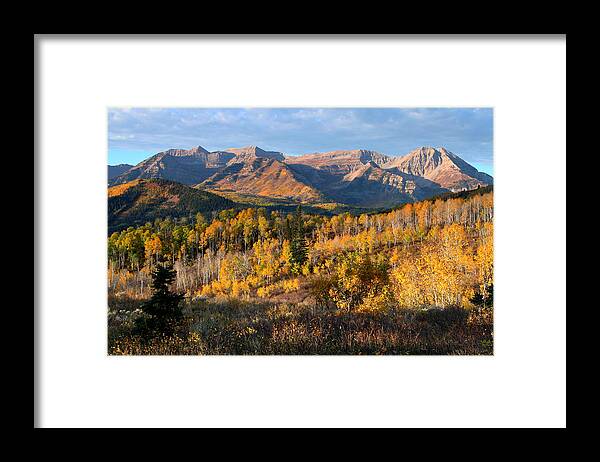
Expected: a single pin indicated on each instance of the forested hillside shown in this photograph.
(273, 282)
(140, 201)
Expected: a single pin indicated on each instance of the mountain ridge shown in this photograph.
(358, 177)
(116, 170)
(143, 200)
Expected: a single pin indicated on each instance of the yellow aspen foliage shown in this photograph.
(267, 254)
(408, 285)
(395, 257)
(284, 259)
(484, 258)
(440, 273)
(265, 291)
(355, 277)
(305, 270)
(290, 285)
(240, 289)
(153, 247)
(376, 300)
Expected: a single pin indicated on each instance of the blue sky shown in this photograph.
(137, 133)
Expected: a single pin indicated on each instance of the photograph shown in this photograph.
(300, 231)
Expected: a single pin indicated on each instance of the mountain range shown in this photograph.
(360, 178)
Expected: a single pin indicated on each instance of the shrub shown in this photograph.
(290, 285)
(357, 276)
(376, 300)
(319, 287)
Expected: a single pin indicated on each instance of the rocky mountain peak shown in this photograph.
(440, 166)
(185, 152)
(249, 153)
(200, 149)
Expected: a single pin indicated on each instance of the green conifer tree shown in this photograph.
(485, 298)
(298, 246)
(163, 310)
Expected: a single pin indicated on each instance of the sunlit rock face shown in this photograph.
(441, 167)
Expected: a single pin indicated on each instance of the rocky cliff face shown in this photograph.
(250, 153)
(372, 186)
(340, 162)
(441, 167)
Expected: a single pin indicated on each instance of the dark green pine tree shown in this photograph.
(298, 246)
(485, 298)
(489, 296)
(163, 310)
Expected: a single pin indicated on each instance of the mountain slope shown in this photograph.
(140, 201)
(116, 170)
(372, 186)
(440, 166)
(183, 166)
(263, 176)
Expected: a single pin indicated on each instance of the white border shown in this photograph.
(522, 385)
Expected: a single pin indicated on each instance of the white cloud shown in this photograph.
(467, 132)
